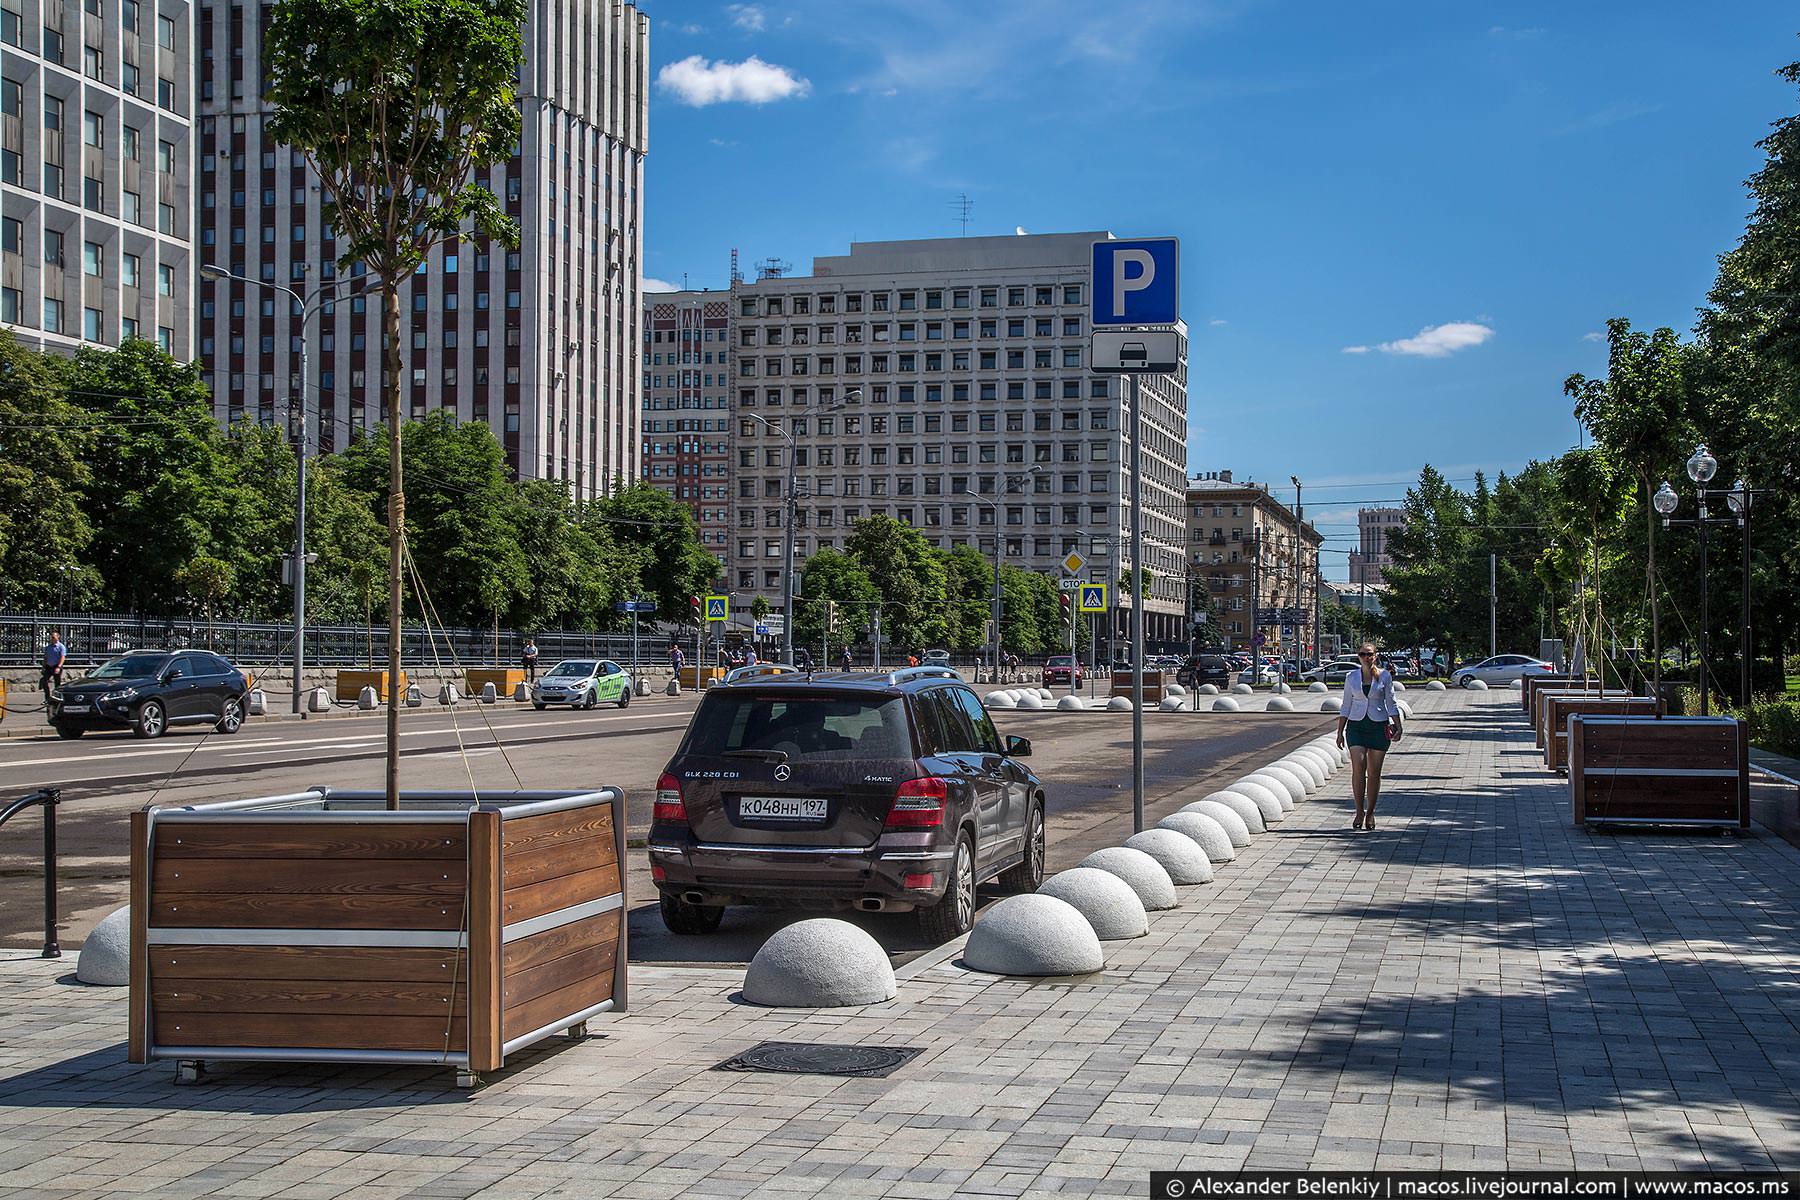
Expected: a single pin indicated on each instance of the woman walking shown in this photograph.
(1372, 719)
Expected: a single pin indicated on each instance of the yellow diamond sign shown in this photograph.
(1074, 563)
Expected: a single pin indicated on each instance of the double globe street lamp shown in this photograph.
(1701, 467)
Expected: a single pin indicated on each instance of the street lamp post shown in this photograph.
(1701, 467)
(999, 554)
(1740, 499)
(297, 434)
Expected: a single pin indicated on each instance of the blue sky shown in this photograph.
(1402, 225)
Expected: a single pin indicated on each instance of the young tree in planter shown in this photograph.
(208, 580)
(397, 104)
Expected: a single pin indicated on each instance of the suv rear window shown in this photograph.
(816, 727)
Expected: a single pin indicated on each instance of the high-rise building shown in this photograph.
(1241, 551)
(944, 383)
(96, 216)
(541, 343)
(686, 418)
(1371, 556)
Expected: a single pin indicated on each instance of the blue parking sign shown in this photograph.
(1136, 282)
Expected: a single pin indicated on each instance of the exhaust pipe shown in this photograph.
(872, 904)
(694, 897)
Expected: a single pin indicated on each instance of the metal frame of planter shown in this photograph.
(321, 926)
(1659, 771)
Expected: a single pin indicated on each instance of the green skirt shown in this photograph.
(1368, 733)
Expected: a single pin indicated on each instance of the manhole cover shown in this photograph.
(801, 1058)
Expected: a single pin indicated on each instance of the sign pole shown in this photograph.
(1137, 609)
(634, 641)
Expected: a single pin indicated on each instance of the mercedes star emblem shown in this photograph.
(782, 772)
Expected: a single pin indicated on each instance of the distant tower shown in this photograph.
(737, 276)
(961, 206)
(772, 268)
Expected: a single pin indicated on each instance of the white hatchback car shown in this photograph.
(1501, 668)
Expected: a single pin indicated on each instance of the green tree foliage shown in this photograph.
(656, 546)
(837, 577)
(909, 576)
(206, 581)
(44, 445)
(566, 562)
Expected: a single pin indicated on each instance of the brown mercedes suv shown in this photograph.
(883, 792)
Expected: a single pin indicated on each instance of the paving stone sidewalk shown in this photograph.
(1476, 984)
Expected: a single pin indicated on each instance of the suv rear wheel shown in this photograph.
(954, 915)
(684, 918)
(1028, 876)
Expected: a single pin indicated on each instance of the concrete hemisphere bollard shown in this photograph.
(1119, 704)
(1476, 685)
(1399, 687)
(1145, 875)
(1268, 793)
(1106, 902)
(1177, 853)
(1175, 689)
(1031, 700)
(1329, 745)
(1281, 688)
(1171, 704)
(1207, 689)
(1317, 687)
(1224, 704)
(1046, 695)
(1249, 810)
(1000, 700)
(106, 954)
(1436, 685)
(819, 963)
(1242, 689)
(1207, 833)
(1330, 704)
(1405, 708)
(1226, 817)
(1036, 935)
(1279, 704)
(1517, 685)
(368, 699)
(1295, 784)
(1070, 704)
(1305, 762)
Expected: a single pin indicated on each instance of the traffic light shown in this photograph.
(1067, 602)
(694, 604)
(831, 616)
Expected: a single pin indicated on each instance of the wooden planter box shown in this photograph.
(1659, 771)
(351, 683)
(1530, 683)
(1153, 685)
(1557, 707)
(505, 680)
(1541, 695)
(320, 926)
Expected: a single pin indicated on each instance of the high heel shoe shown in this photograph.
(1358, 823)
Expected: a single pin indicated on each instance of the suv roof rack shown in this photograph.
(908, 673)
(758, 670)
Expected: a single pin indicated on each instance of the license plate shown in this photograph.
(782, 808)
(75, 708)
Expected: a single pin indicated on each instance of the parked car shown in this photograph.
(146, 691)
(883, 792)
(1058, 669)
(935, 658)
(582, 683)
(1331, 672)
(1262, 672)
(1501, 668)
(1215, 669)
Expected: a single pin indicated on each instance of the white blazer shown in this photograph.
(1378, 705)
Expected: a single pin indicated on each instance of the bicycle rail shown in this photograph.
(48, 798)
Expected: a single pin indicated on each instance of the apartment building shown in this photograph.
(1371, 556)
(96, 211)
(1242, 549)
(686, 416)
(943, 383)
(541, 342)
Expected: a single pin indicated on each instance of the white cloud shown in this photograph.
(659, 285)
(698, 81)
(1593, 336)
(1218, 321)
(1019, 231)
(688, 28)
(747, 16)
(1433, 341)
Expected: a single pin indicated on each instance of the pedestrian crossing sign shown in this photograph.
(1093, 597)
(718, 608)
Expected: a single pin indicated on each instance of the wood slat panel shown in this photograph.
(522, 867)
(565, 1001)
(432, 879)
(137, 1027)
(311, 1032)
(1710, 758)
(539, 948)
(373, 964)
(536, 899)
(547, 829)
(484, 940)
(321, 997)
(278, 910)
(589, 962)
(319, 837)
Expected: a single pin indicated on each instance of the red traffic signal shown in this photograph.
(1064, 600)
(694, 603)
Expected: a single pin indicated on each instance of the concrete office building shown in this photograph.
(96, 211)
(960, 365)
(542, 343)
(1241, 550)
(686, 417)
(1371, 556)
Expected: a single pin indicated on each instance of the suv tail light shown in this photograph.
(919, 804)
(668, 800)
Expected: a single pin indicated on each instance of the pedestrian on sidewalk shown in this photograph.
(1371, 718)
(676, 658)
(529, 655)
(846, 659)
(54, 655)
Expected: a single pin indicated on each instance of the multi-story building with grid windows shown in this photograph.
(1242, 546)
(541, 343)
(1371, 557)
(686, 418)
(96, 206)
(944, 383)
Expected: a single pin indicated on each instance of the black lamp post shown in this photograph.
(1701, 467)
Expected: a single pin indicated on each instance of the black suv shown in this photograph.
(881, 792)
(1205, 668)
(146, 691)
